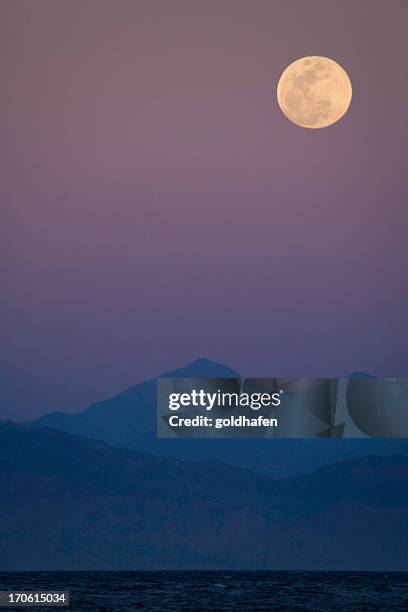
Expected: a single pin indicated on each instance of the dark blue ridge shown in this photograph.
(68, 502)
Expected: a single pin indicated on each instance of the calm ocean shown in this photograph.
(219, 591)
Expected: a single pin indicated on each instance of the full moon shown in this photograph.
(314, 92)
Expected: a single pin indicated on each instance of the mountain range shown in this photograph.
(128, 420)
(68, 502)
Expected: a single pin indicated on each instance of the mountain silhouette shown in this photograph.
(128, 420)
(68, 502)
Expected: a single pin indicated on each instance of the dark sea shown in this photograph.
(180, 591)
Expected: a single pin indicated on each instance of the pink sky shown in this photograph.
(157, 206)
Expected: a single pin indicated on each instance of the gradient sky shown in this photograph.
(156, 206)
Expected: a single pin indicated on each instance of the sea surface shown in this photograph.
(198, 591)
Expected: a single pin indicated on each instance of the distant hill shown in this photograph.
(128, 420)
(72, 503)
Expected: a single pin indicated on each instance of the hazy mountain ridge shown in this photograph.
(131, 407)
(72, 503)
(128, 420)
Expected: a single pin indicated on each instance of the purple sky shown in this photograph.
(156, 206)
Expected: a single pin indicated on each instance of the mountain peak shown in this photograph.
(202, 368)
(358, 375)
